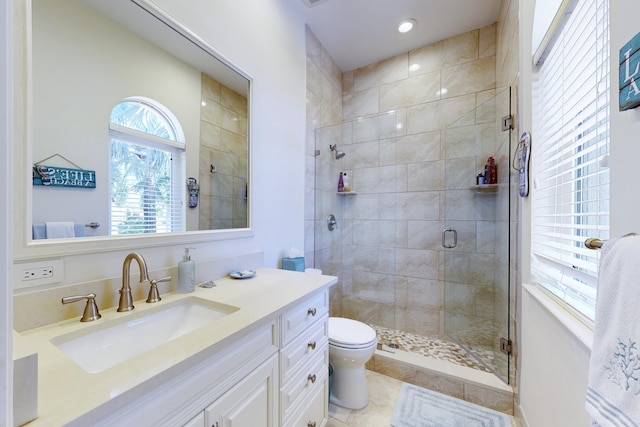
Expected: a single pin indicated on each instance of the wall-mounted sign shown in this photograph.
(55, 176)
(629, 74)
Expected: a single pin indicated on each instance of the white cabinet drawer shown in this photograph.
(315, 414)
(303, 315)
(303, 383)
(304, 347)
(197, 421)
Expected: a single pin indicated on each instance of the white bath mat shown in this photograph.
(419, 407)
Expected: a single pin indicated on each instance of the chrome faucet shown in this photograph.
(126, 299)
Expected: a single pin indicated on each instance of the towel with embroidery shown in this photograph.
(613, 389)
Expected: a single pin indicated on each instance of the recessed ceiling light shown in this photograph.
(406, 25)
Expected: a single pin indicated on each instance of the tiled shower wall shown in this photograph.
(223, 144)
(390, 260)
(324, 108)
(453, 63)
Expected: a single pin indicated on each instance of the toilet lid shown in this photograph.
(350, 333)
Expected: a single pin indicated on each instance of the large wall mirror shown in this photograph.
(137, 130)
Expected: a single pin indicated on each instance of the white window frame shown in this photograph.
(177, 149)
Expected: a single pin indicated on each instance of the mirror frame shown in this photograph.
(25, 248)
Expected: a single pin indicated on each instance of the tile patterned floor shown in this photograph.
(425, 346)
(383, 393)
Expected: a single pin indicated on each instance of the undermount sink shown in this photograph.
(106, 345)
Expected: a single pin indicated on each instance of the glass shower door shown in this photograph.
(475, 235)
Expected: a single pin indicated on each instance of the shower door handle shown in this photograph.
(444, 238)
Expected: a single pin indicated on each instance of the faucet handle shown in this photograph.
(90, 310)
(154, 295)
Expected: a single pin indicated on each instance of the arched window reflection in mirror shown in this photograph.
(147, 169)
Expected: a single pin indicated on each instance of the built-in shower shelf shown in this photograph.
(485, 188)
(346, 193)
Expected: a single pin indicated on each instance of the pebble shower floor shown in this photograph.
(426, 346)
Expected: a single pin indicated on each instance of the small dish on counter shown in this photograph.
(244, 274)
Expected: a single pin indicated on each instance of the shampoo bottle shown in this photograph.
(340, 183)
(186, 273)
(491, 173)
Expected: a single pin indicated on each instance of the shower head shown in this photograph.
(339, 153)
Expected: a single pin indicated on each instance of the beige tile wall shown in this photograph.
(223, 143)
(392, 263)
(324, 111)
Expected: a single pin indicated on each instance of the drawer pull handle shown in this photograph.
(311, 345)
(312, 378)
(311, 424)
(312, 311)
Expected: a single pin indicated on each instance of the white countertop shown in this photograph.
(66, 391)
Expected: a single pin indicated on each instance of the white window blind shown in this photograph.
(570, 201)
(147, 171)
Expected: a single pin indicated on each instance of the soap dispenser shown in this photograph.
(186, 273)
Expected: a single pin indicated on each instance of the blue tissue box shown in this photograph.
(293, 264)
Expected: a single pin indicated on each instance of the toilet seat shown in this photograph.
(348, 333)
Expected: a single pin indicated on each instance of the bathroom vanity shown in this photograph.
(263, 363)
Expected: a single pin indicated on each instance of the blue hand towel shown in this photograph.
(59, 229)
(39, 231)
(78, 229)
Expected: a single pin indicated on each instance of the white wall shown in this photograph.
(554, 368)
(625, 129)
(6, 215)
(553, 376)
(84, 62)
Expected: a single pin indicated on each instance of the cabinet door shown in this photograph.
(251, 402)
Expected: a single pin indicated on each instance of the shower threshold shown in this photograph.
(438, 365)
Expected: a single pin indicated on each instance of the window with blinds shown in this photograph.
(146, 170)
(570, 201)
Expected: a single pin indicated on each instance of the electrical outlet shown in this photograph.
(38, 273)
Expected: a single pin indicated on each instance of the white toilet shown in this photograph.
(351, 345)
